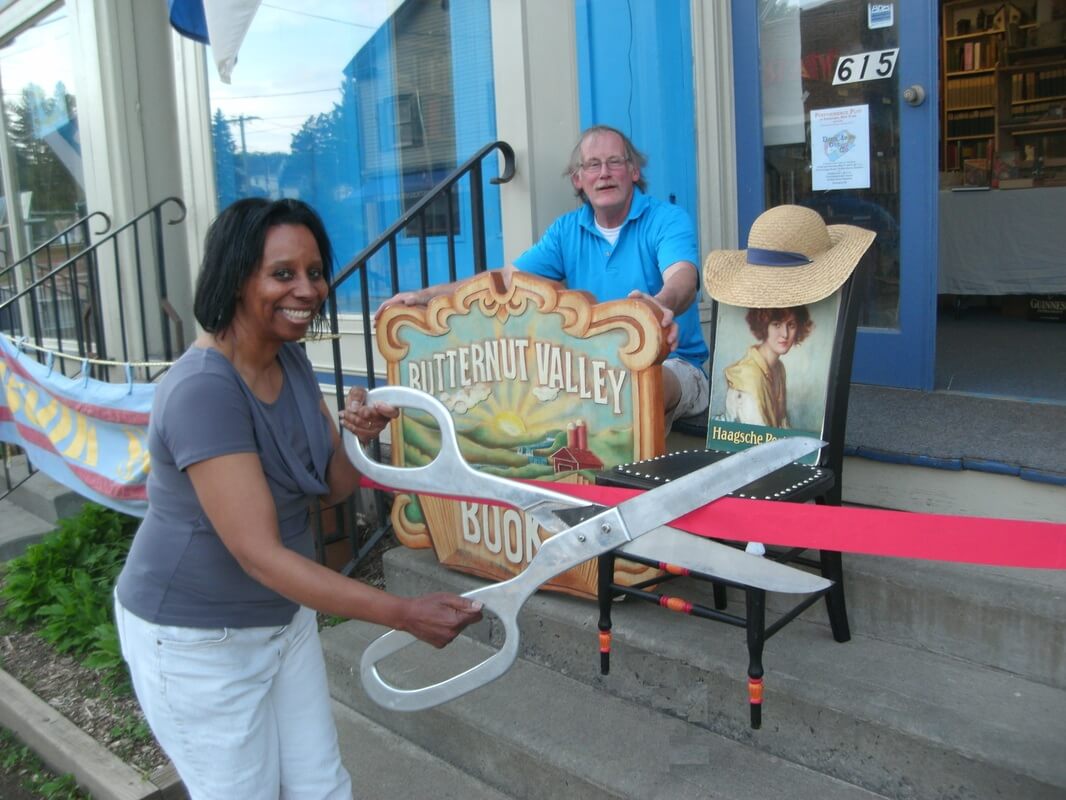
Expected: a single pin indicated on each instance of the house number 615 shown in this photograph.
(870, 66)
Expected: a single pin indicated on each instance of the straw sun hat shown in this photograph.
(793, 258)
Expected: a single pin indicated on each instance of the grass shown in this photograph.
(20, 764)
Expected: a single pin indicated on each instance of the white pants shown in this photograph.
(242, 712)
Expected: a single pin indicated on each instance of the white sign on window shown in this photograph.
(880, 15)
(840, 148)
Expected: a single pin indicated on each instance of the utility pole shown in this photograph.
(240, 120)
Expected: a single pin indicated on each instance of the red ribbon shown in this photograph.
(900, 534)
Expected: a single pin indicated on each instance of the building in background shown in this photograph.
(360, 107)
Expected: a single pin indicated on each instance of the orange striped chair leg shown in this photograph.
(756, 634)
(605, 577)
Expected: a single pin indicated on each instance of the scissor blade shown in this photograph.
(708, 557)
(663, 504)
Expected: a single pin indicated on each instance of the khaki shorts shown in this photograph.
(695, 389)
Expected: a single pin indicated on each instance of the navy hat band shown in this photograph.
(775, 258)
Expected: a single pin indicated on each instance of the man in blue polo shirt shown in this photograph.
(623, 243)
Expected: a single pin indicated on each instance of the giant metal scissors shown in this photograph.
(636, 526)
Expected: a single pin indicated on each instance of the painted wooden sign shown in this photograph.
(543, 384)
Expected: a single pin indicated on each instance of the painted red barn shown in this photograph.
(575, 455)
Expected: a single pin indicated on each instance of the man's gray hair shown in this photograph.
(632, 154)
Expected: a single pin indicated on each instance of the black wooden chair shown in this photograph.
(819, 482)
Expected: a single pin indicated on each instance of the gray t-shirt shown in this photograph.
(178, 571)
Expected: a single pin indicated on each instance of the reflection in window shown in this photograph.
(360, 115)
(41, 118)
(799, 48)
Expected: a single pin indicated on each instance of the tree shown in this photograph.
(39, 128)
(229, 172)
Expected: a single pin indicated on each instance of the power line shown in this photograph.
(320, 16)
(278, 94)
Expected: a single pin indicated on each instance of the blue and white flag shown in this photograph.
(220, 23)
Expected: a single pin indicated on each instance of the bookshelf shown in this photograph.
(1031, 117)
(1003, 90)
(972, 42)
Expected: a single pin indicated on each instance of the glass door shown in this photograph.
(836, 110)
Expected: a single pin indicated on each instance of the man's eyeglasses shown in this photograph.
(593, 167)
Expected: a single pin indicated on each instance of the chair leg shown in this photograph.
(720, 598)
(756, 630)
(833, 569)
(605, 578)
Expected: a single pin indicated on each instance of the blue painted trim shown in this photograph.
(957, 464)
(585, 94)
(909, 459)
(634, 65)
(1041, 476)
(986, 465)
(747, 99)
(904, 357)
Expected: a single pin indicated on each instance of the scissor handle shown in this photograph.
(448, 468)
(426, 478)
(587, 540)
(396, 699)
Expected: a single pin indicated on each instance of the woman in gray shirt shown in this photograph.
(216, 604)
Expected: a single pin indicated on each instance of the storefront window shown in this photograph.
(801, 43)
(40, 118)
(362, 111)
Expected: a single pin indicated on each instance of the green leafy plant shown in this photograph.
(62, 587)
(18, 760)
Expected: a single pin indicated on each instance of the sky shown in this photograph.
(289, 66)
(288, 69)
(39, 55)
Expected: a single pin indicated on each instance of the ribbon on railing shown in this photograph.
(848, 529)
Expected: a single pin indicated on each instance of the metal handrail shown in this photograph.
(83, 221)
(416, 214)
(87, 324)
(471, 165)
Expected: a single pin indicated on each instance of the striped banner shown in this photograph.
(88, 435)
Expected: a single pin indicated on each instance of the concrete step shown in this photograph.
(46, 498)
(898, 720)
(536, 733)
(1011, 619)
(383, 764)
(19, 529)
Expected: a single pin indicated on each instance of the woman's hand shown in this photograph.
(366, 421)
(438, 618)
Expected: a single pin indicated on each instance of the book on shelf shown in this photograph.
(1008, 166)
(975, 172)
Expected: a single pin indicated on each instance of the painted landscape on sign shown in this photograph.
(512, 446)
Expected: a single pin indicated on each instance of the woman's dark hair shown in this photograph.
(759, 320)
(233, 249)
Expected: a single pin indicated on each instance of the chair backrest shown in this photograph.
(802, 388)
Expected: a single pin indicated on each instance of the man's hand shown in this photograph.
(438, 618)
(419, 298)
(667, 320)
